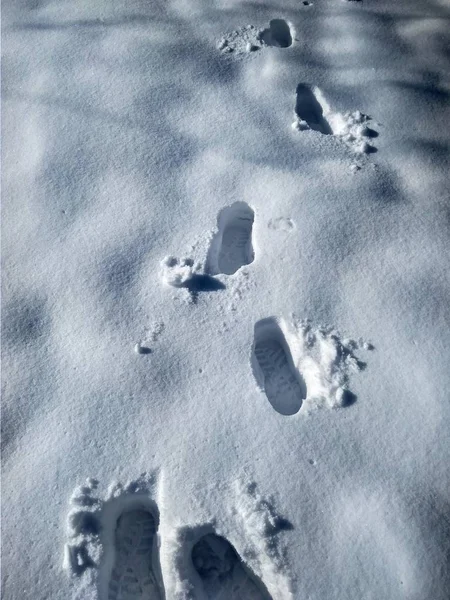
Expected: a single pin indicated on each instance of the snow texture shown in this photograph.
(254, 315)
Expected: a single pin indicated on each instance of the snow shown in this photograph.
(225, 338)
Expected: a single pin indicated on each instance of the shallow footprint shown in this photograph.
(274, 368)
(132, 576)
(232, 247)
(223, 573)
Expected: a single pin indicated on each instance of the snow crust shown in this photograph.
(233, 326)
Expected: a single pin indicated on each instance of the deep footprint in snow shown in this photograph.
(132, 576)
(312, 111)
(250, 39)
(274, 368)
(222, 572)
(309, 110)
(278, 34)
(232, 247)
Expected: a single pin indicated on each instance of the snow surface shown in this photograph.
(222, 332)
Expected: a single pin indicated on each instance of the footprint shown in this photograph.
(278, 34)
(250, 39)
(132, 576)
(232, 247)
(112, 538)
(312, 111)
(309, 110)
(223, 574)
(281, 224)
(274, 368)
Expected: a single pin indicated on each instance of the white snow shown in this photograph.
(224, 334)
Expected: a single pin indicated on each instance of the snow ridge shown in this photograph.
(262, 525)
(130, 133)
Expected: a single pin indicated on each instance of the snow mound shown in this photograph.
(150, 337)
(178, 272)
(263, 526)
